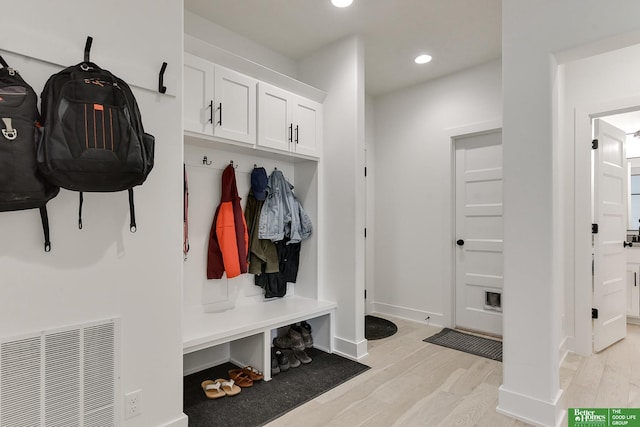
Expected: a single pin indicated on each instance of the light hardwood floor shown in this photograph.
(413, 383)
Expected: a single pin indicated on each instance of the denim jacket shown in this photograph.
(282, 215)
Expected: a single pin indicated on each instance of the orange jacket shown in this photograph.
(228, 238)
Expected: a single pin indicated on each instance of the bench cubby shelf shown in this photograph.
(248, 330)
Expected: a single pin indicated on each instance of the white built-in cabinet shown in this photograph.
(231, 116)
(288, 122)
(218, 101)
(633, 281)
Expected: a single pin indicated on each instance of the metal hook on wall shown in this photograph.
(206, 161)
(87, 49)
(234, 166)
(161, 87)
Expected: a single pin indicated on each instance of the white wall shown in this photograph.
(105, 271)
(238, 45)
(533, 186)
(413, 188)
(339, 70)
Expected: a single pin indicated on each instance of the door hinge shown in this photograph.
(594, 228)
(594, 144)
(594, 313)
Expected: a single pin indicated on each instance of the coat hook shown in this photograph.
(87, 49)
(255, 166)
(206, 161)
(234, 166)
(161, 87)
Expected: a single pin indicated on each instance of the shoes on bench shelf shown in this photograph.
(305, 334)
(291, 339)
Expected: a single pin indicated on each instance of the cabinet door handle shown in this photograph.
(210, 112)
(220, 108)
(291, 132)
(296, 134)
(635, 278)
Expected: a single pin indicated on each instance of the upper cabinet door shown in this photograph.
(198, 94)
(234, 106)
(275, 125)
(307, 127)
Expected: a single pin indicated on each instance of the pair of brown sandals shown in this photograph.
(238, 378)
(246, 376)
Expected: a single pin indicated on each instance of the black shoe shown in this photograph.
(305, 334)
(301, 356)
(275, 368)
(281, 358)
(293, 361)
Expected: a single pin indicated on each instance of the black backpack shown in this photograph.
(93, 138)
(21, 185)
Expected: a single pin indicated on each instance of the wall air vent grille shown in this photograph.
(60, 378)
(20, 382)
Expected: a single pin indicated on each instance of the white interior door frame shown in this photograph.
(583, 297)
(448, 316)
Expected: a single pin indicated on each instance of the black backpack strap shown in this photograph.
(45, 227)
(132, 212)
(3, 62)
(80, 211)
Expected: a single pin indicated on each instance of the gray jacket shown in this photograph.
(282, 215)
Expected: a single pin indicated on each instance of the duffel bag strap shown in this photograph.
(132, 212)
(80, 211)
(45, 228)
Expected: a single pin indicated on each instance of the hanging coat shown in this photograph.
(228, 238)
(282, 215)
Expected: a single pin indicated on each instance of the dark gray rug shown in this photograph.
(480, 346)
(265, 401)
(376, 328)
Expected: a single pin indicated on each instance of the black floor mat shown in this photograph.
(480, 346)
(265, 401)
(376, 328)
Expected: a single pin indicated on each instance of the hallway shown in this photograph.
(413, 383)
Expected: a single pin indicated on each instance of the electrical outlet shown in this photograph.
(132, 404)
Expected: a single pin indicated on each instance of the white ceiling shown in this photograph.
(457, 33)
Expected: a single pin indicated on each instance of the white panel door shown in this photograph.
(307, 126)
(275, 123)
(609, 272)
(235, 106)
(198, 94)
(479, 233)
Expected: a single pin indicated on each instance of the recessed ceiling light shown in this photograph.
(341, 3)
(422, 59)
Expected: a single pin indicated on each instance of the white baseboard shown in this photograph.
(349, 349)
(531, 410)
(182, 421)
(435, 319)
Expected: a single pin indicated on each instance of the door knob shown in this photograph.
(625, 244)
(460, 242)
